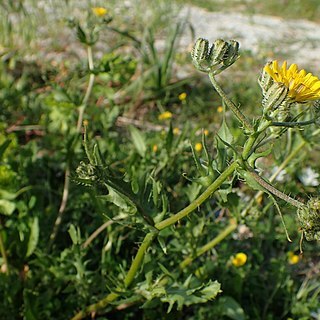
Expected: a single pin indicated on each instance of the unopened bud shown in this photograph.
(265, 81)
(309, 218)
(232, 53)
(274, 97)
(218, 52)
(214, 59)
(86, 172)
(200, 54)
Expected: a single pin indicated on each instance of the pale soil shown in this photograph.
(297, 41)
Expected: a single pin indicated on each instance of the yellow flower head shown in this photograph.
(182, 96)
(176, 131)
(154, 148)
(220, 109)
(165, 115)
(99, 11)
(302, 86)
(198, 146)
(293, 258)
(206, 132)
(239, 260)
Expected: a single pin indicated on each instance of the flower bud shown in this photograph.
(218, 51)
(216, 58)
(309, 218)
(265, 81)
(274, 97)
(232, 53)
(86, 172)
(200, 54)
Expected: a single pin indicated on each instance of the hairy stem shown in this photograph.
(136, 264)
(285, 162)
(197, 202)
(240, 116)
(275, 191)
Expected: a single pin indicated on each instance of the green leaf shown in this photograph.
(118, 199)
(34, 236)
(187, 296)
(225, 133)
(6, 207)
(231, 308)
(74, 234)
(138, 141)
(81, 34)
(3, 147)
(169, 139)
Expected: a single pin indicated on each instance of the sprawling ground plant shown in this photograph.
(129, 192)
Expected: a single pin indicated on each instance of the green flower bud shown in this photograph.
(200, 54)
(309, 218)
(86, 172)
(232, 53)
(216, 58)
(265, 81)
(274, 97)
(218, 52)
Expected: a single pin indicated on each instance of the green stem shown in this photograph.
(248, 147)
(136, 264)
(292, 124)
(275, 191)
(84, 103)
(82, 108)
(285, 162)
(197, 202)
(222, 235)
(3, 253)
(241, 117)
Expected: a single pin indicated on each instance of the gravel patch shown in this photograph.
(297, 41)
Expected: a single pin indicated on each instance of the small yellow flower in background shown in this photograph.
(198, 146)
(220, 109)
(239, 260)
(165, 115)
(154, 148)
(182, 96)
(302, 86)
(205, 132)
(99, 11)
(293, 258)
(4, 268)
(85, 123)
(176, 131)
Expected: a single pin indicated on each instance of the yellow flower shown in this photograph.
(205, 132)
(198, 146)
(182, 96)
(99, 11)
(165, 115)
(302, 86)
(176, 131)
(154, 148)
(220, 109)
(239, 260)
(293, 258)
